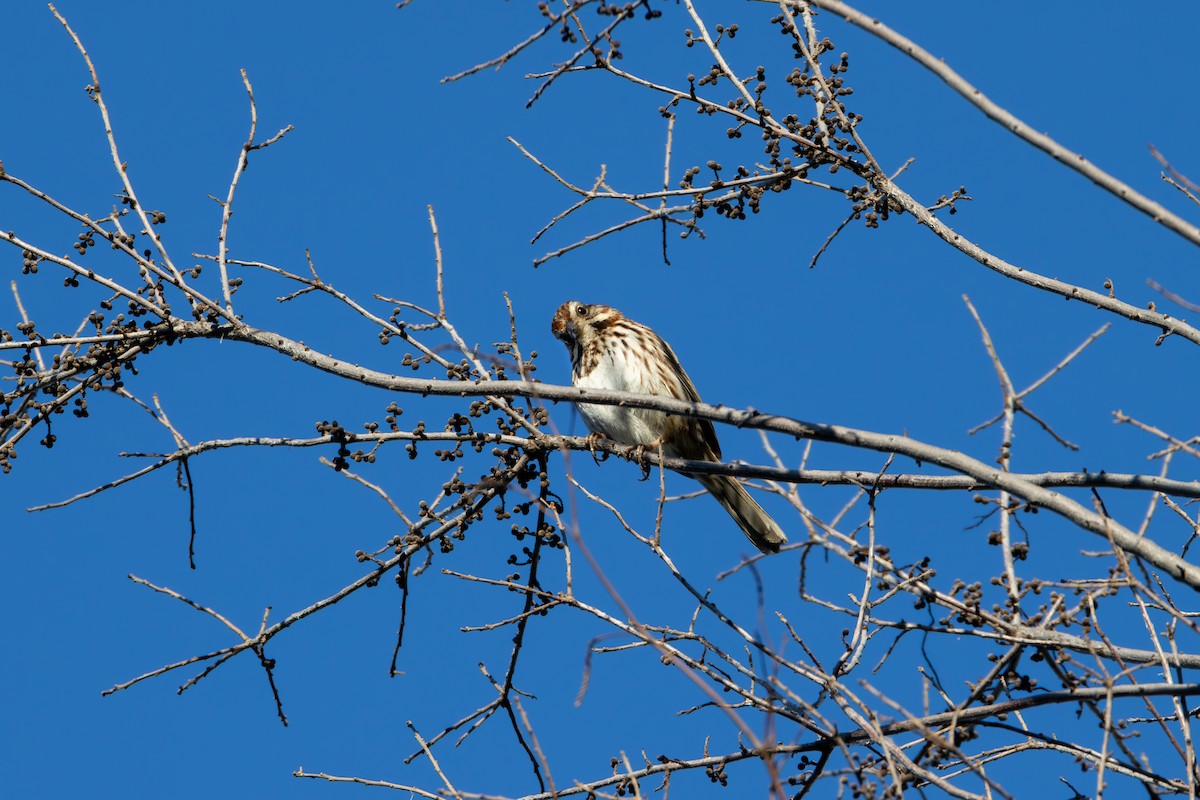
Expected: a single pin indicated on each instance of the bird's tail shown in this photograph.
(760, 529)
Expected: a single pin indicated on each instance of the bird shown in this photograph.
(610, 351)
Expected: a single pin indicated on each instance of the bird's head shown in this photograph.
(575, 323)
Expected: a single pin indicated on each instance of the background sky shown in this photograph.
(877, 336)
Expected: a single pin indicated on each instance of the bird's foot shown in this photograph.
(638, 456)
(593, 439)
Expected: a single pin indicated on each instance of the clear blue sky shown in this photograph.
(876, 337)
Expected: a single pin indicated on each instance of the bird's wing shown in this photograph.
(705, 426)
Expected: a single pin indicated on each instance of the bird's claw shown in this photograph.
(638, 456)
(593, 439)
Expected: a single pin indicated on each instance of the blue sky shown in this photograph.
(876, 336)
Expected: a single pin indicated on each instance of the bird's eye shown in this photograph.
(582, 310)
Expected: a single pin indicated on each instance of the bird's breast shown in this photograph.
(616, 370)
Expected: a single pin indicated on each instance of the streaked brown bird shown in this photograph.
(611, 351)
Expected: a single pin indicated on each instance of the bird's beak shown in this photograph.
(563, 329)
